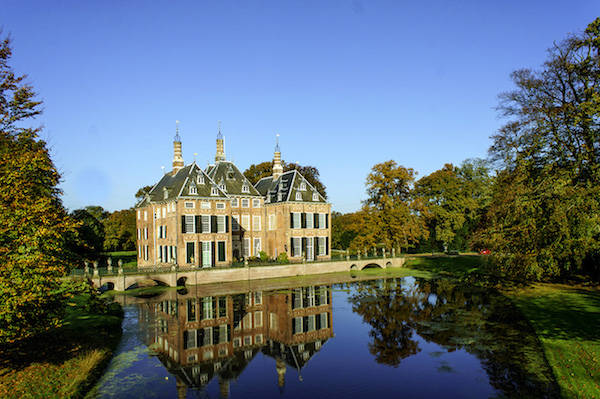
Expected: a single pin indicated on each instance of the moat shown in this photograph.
(383, 337)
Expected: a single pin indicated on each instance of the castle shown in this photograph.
(214, 217)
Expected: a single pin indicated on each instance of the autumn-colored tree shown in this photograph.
(544, 215)
(33, 222)
(391, 215)
(265, 169)
(141, 193)
(120, 231)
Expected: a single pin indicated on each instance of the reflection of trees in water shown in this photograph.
(482, 322)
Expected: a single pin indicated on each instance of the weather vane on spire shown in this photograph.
(177, 137)
(277, 143)
(219, 135)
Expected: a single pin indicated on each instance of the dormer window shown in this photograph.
(230, 174)
(245, 188)
(279, 197)
(222, 187)
(302, 186)
(193, 190)
(315, 197)
(200, 179)
(214, 191)
(298, 196)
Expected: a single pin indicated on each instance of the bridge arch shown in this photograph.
(388, 264)
(146, 282)
(181, 281)
(108, 286)
(354, 267)
(372, 266)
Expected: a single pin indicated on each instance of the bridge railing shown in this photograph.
(103, 271)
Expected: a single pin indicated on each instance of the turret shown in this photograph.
(277, 168)
(220, 156)
(177, 157)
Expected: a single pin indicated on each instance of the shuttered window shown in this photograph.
(190, 225)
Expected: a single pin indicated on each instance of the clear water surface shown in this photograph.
(396, 337)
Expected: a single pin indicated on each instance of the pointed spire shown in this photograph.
(220, 155)
(177, 154)
(277, 143)
(177, 137)
(277, 167)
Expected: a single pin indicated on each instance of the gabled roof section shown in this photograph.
(226, 174)
(179, 184)
(285, 188)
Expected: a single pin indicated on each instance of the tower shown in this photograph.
(177, 157)
(220, 156)
(277, 168)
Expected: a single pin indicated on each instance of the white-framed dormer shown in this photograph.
(193, 190)
(214, 191)
(200, 179)
(315, 196)
(245, 188)
(298, 196)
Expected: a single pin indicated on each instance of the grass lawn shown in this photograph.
(63, 363)
(116, 254)
(566, 320)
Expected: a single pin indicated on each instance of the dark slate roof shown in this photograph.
(178, 185)
(226, 173)
(285, 188)
(291, 354)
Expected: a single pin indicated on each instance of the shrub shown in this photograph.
(283, 258)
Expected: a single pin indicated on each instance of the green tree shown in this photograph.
(344, 228)
(255, 172)
(544, 214)
(141, 193)
(120, 231)
(89, 242)
(33, 222)
(391, 215)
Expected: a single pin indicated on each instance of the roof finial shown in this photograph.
(177, 137)
(277, 143)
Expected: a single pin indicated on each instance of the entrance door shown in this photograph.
(206, 254)
(310, 253)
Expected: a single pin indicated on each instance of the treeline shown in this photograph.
(535, 203)
(102, 231)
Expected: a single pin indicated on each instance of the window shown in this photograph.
(272, 222)
(258, 298)
(191, 310)
(164, 211)
(322, 246)
(145, 252)
(297, 246)
(235, 203)
(245, 188)
(258, 339)
(138, 214)
(309, 221)
(189, 205)
(206, 254)
(189, 252)
(297, 326)
(220, 205)
(295, 220)
(247, 342)
(258, 319)
(223, 334)
(214, 191)
(205, 223)
(139, 234)
(208, 340)
(221, 251)
(255, 203)
(298, 196)
(205, 205)
(191, 339)
(315, 197)
(246, 222)
(207, 312)
(324, 320)
(246, 247)
(193, 190)
(200, 179)
(145, 215)
(302, 186)
(190, 224)
(309, 249)
(273, 321)
(257, 248)
(256, 223)
(311, 323)
(145, 233)
(237, 342)
(221, 224)
(245, 203)
(321, 220)
(235, 223)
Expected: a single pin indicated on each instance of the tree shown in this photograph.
(265, 169)
(33, 222)
(141, 193)
(89, 242)
(120, 231)
(344, 228)
(391, 215)
(544, 214)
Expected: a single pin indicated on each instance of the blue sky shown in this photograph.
(347, 84)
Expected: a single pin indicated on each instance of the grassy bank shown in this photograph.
(566, 320)
(63, 363)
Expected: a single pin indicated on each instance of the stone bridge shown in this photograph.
(172, 278)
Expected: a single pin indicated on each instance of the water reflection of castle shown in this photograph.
(200, 338)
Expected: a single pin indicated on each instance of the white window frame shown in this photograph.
(189, 205)
(235, 203)
(145, 215)
(145, 233)
(272, 221)
(221, 224)
(322, 221)
(298, 248)
(256, 203)
(205, 205)
(245, 188)
(245, 203)
(310, 248)
(298, 196)
(187, 223)
(322, 244)
(200, 179)
(164, 212)
(139, 213)
(302, 186)
(206, 219)
(206, 248)
(315, 197)
(256, 223)
(310, 220)
(193, 190)
(258, 319)
(254, 246)
(297, 217)
(214, 191)
(246, 222)
(246, 247)
(220, 205)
